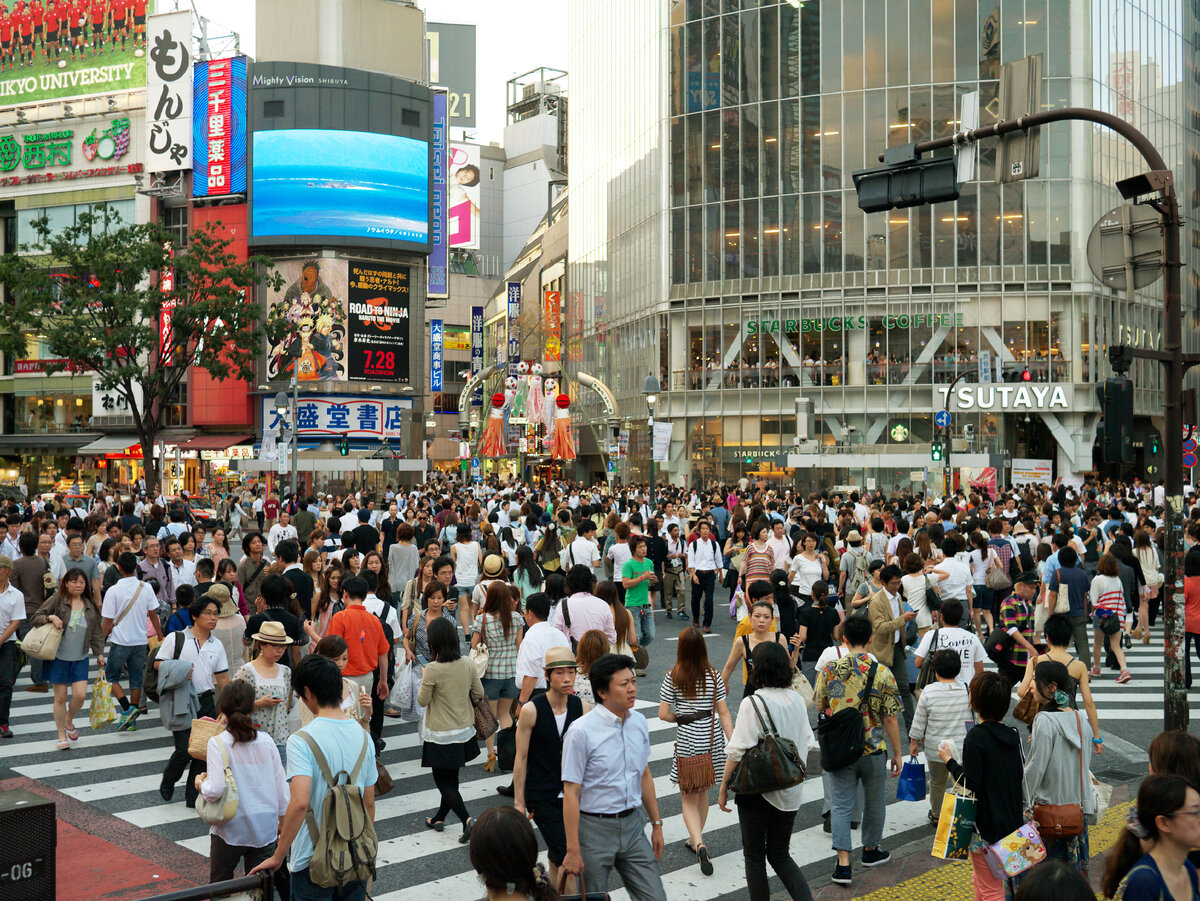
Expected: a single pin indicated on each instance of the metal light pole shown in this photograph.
(1161, 181)
(651, 388)
(285, 404)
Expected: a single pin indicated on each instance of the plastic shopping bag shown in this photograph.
(102, 707)
(400, 697)
(737, 604)
(412, 712)
(955, 824)
(911, 786)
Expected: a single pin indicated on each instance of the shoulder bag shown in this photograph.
(41, 642)
(1055, 821)
(1027, 707)
(696, 772)
(933, 600)
(996, 578)
(225, 807)
(843, 737)
(925, 676)
(772, 764)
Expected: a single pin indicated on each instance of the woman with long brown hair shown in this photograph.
(693, 696)
(415, 589)
(375, 562)
(622, 619)
(496, 629)
(592, 646)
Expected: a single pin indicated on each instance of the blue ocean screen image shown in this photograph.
(355, 184)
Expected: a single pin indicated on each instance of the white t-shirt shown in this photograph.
(951, 638)
(130, 632)
(958, 578)
(376, 607)
(619, 555)
(207, 659)
(583, 551)
(12, 607)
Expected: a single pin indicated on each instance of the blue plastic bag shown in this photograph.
(911, 786)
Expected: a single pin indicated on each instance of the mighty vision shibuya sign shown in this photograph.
(852, 323)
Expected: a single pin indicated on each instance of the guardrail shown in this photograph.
(262, 883)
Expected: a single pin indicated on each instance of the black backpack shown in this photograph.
(842, 737)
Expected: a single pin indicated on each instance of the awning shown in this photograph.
(110, 444)
(215, 442)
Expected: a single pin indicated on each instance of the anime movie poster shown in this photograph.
(306, 323)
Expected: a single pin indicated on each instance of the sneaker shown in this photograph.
(827, 826)
(841, 875)
(669, 616)
(1094, 671)
(1124, 677)
(875, 858)
(5, 732)
(125, 722)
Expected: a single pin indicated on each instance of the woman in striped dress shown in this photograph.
(758, 561)
(691, 694)
(1107, 595)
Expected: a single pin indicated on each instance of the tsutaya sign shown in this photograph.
(852, 323)
(1009, 398)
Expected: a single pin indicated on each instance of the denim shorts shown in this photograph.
(495, 689)
(65, 672)
(119, 655)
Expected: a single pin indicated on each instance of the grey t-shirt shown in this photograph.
(73, 645)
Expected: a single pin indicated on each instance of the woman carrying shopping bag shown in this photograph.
(71, 611)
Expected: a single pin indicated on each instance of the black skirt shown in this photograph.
(447, 757)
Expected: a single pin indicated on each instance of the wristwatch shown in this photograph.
(656, 822)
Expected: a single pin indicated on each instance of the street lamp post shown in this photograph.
(287, 405)
(651, 389)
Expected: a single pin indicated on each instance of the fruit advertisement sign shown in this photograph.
(96, 150)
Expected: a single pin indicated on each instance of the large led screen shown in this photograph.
(354, 184)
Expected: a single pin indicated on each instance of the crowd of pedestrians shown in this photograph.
(525, 617)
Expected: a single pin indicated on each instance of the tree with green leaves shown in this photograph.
(121, 301)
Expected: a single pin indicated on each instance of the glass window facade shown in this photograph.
(779, 286)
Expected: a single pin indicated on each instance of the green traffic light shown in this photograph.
(935, 451)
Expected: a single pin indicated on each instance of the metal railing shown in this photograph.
(263, 883)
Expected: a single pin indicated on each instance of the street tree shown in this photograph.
(119, 300)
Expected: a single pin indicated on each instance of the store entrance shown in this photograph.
(1031, 438)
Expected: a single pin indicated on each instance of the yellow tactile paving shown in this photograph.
(952, 880)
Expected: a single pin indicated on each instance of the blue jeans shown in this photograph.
(645, 624)
(304, 890)
(871, 771)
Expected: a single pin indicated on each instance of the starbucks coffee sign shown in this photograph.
(852, 323)
(1008, 398)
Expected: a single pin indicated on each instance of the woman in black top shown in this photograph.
(991, 767)
(816, 624)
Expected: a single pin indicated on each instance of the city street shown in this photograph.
(119, 774)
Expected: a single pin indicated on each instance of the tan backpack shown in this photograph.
(345, 845)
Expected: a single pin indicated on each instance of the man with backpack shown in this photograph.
(854, 745)
(331, 835)
(854, 567)
(704, 562)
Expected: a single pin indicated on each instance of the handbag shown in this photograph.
(801, 686)
(933, 600)
(998, 644)
(202, 730)
(584, 894)
(956, 824)
(383, 779)
(926, 675)
(772, 764)
(696, 773)
(1056, 821)
(41, 642)
(1027, 708)
(486, 723)
(1107, 621)
(1016, 852)
(506, 748)
(996, 578)
(479, 656)
(225, 807)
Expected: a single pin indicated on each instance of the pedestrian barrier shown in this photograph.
(257, 887)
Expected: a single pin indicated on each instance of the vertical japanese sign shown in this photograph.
(166, 285)
(436, 332)
(439, 242)
(169, 92)
(514, 327)
(551, 303)
(476, 351)
(219, 131)
(378, 320)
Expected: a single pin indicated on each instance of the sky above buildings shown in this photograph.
(514, 36)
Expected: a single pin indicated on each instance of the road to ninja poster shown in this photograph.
(306, 323)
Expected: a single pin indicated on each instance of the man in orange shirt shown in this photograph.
(364, 635)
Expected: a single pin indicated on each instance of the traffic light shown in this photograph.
(1154, 443)
(911, 183)
(344, 446)
(1026, 375)
(1116, 403)
(935, 451)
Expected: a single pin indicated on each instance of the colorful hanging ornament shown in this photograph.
(537, 400)
(564, 445)
(549, 392)
(492, 444)
(517, 414)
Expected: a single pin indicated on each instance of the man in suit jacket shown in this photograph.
(888, 621)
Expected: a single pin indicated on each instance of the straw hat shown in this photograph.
(219, 593)
(271, 632)
(493, 565)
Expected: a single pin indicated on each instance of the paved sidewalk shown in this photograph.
(101, 857)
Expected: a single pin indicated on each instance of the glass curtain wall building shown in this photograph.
(720, 245)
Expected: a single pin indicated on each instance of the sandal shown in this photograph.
(64, 746)
(706, 866)
(72, 734)
(687, 843)
(435, 825)
(490, 766)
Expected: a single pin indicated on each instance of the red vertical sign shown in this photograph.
(166, 285)
(220, 130)
(552, 301)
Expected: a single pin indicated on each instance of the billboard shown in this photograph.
(219, 129)
(452, 64)
(306, 322)
(435, 354)
(378, 319)
(551, 306)
(439, 272)
(322, 416)
(310, 182)
(98, 150)
(54, 73)
(464, 196)
(169, 93)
